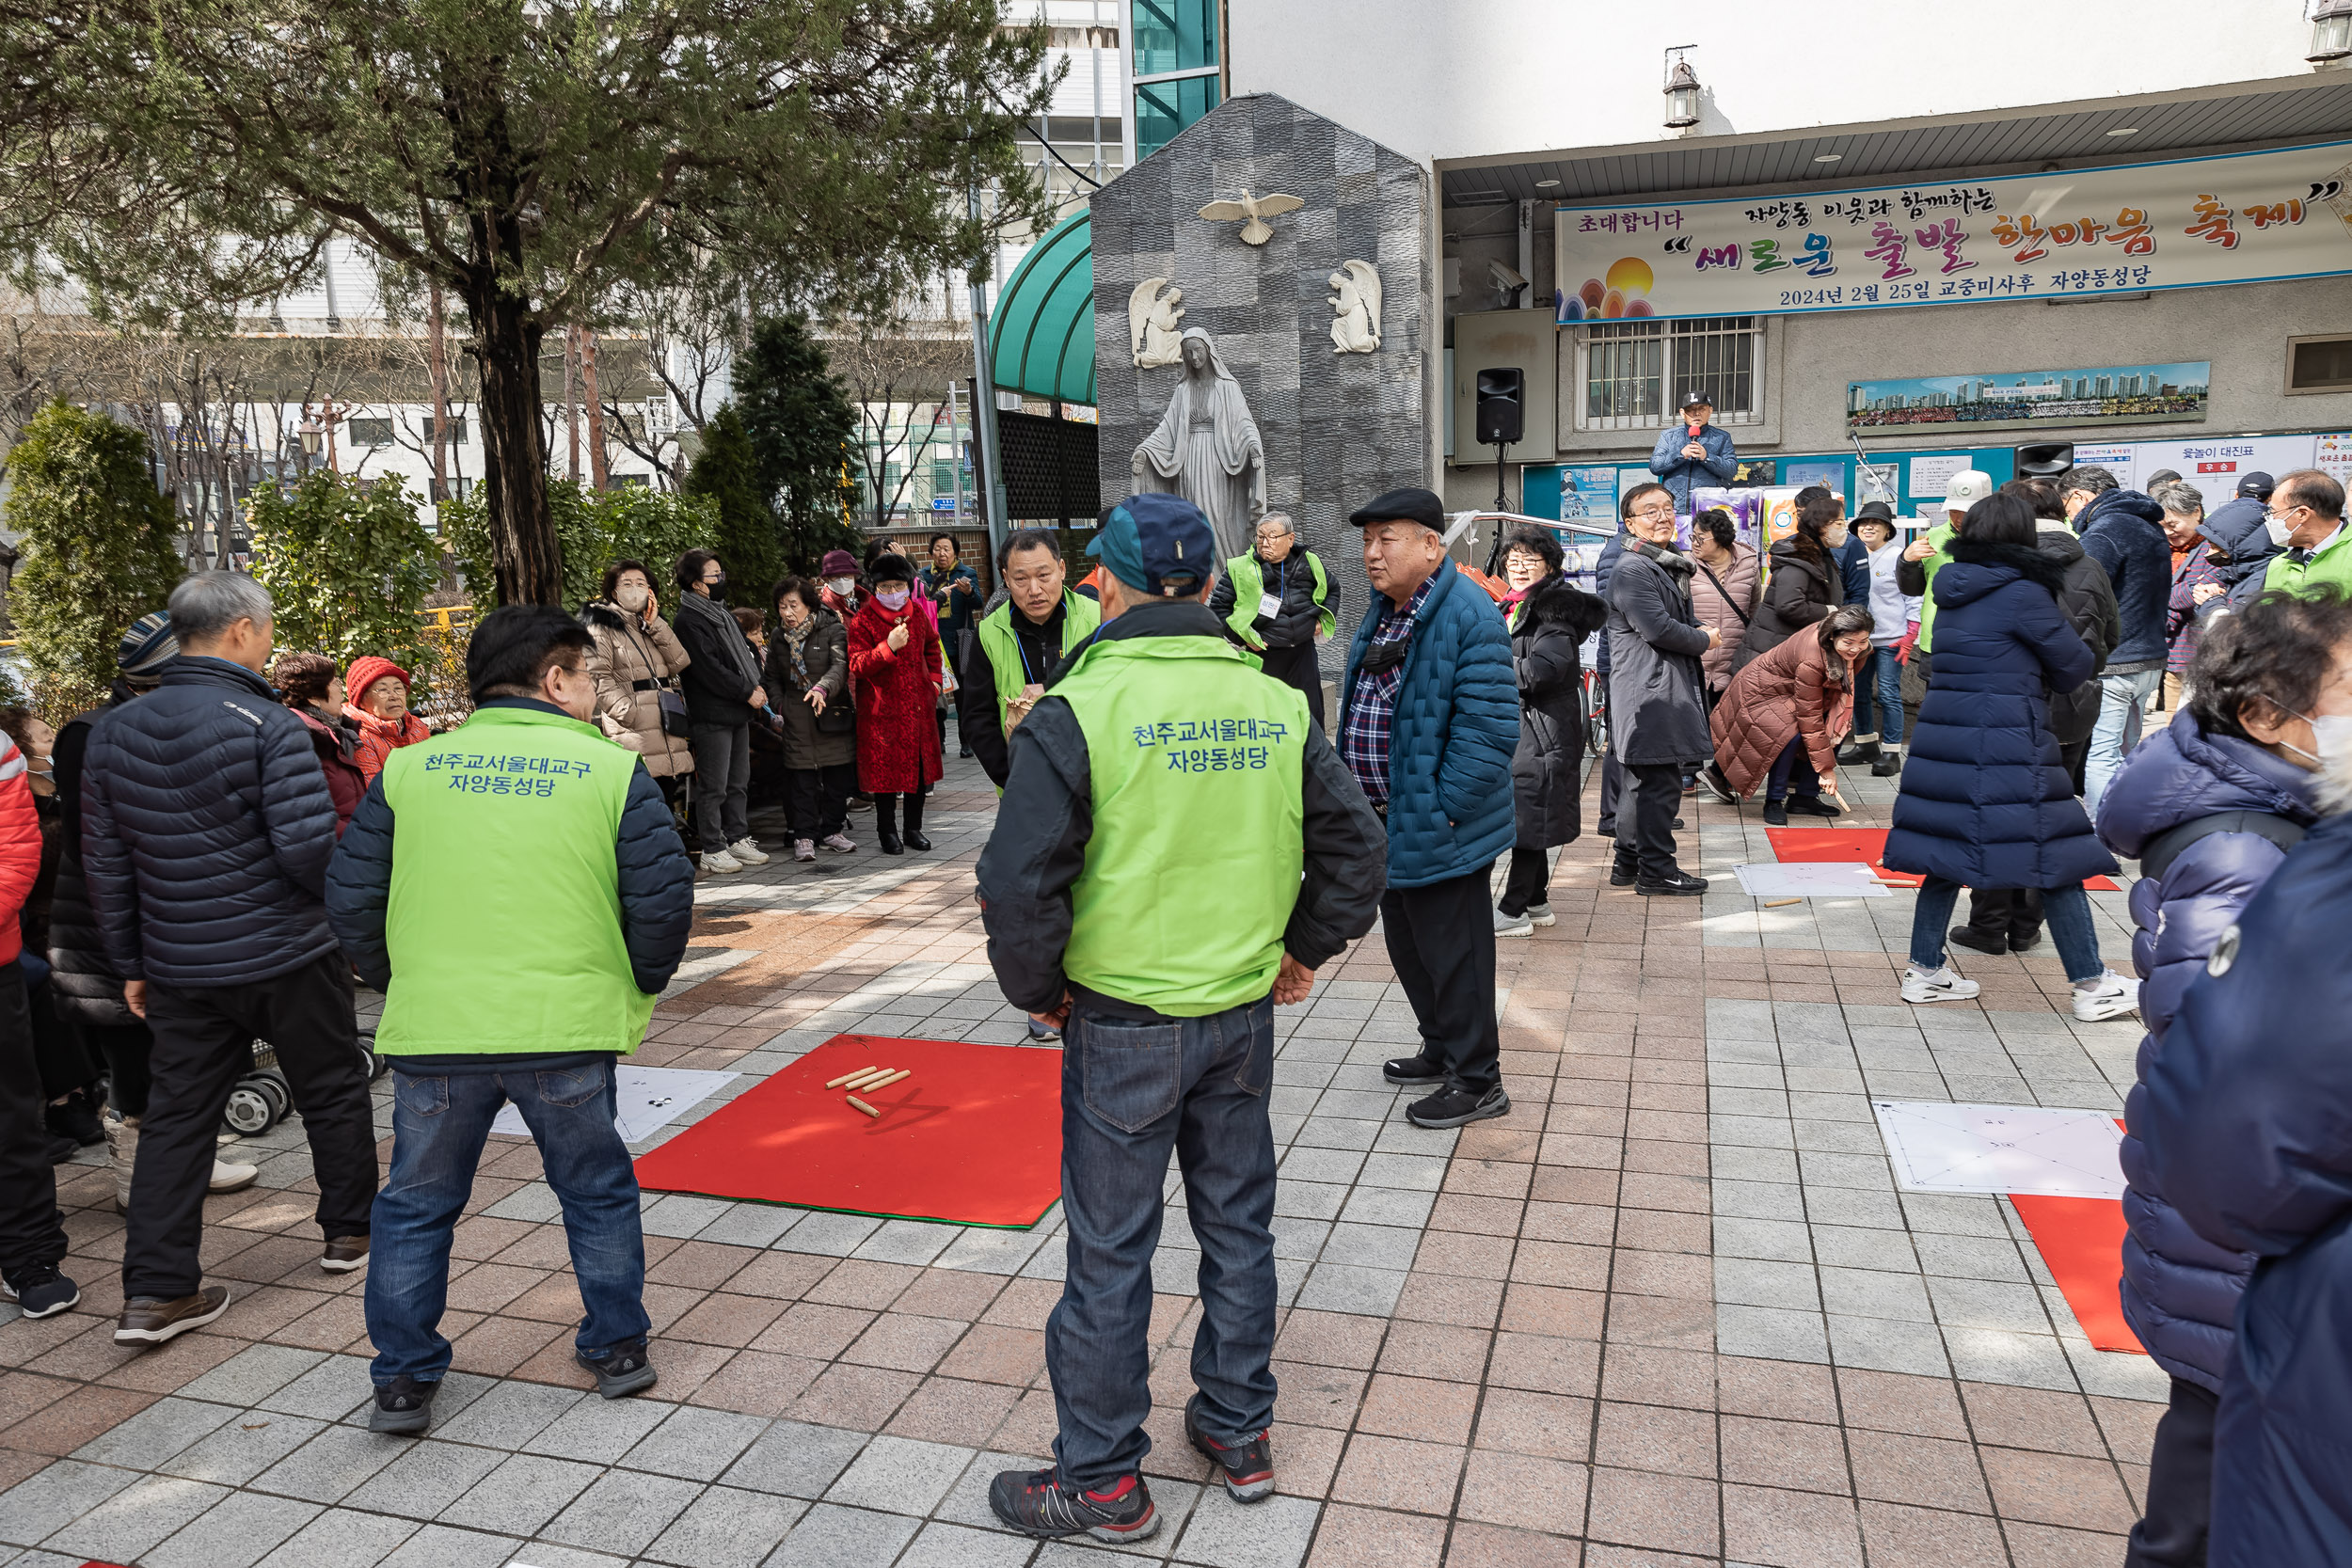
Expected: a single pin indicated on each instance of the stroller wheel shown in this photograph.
(251, 1109)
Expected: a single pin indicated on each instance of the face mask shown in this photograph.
(892, 598)
(841, 585)
(2276, 530)
(630, 596)
(1834, 537)
(2331, 733)
(717, 585)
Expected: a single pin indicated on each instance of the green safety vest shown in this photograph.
(1249, 575)
(505, 921)
(1079, 617)
(1194, 866)
(2330, 562)
(1941, 536)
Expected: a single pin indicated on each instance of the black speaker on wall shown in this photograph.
(1502, 405)
(2045, 460)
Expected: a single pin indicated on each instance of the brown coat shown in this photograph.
(1738, 579)
(627, 651)
(1783, 694)
(809, 740)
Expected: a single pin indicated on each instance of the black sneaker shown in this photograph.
(41, 1291)
(76, 1117)
(1775, 815)
(1717, 787)
(402, 1405)
(1623, 873)
(1812, 805)
(1976, 940)
(1247, 1468)
(1412, 1069)
(622, 1373)
(1038, 1502)
(1456, 1107)
(1681, 885)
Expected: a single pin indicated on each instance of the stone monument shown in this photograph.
(1206, 448)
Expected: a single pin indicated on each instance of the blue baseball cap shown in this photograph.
(1146, 540)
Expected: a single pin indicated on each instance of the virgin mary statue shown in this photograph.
(1207, 449)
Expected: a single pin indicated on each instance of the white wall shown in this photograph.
(1438, 79)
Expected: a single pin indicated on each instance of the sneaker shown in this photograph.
(1775, 813)
(1623, 873)
(1247, 1468)
(1681, 885)
(345, 1254)
(403, 1405)
(622, 1373)
(1042, 1034)
(153, 1321)
(227, 1178)
(122, 1149)
(2025, 942)
(76, 1116)
(1456, 1107)
(1540, 914)
(1941, 986)
(1513, 924)
(1976, 940)
(41, 1291)
(1039, 1502)
(748, 852)
(1715, 786)
(838, 843)
(717, 863)
(804, 849)
(1412, 1071)
(2109, 996)
(1888, 765)
(1812, 805)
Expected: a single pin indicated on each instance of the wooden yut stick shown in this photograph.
(885, 1082)
(870, 1077)
(863, 1106)
(1777, 902)
(836, 1083)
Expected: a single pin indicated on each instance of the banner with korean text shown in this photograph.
(2191, 223)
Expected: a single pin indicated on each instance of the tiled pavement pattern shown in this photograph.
(1671, 1310)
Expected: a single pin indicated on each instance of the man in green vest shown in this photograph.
(1277, 599)
(2306, 514)
(1178, 851)
(1017, 645)
(521, 924)
(1928, 554)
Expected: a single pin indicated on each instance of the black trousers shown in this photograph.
(2005, 913)
(203, 1043)
(32, 1232)
(1528, 882)
(1612, 771)
(1645, 831)
(1441, 942)
(1296, 667)
(885, 809)
(66, 1064)
(124, 1048)
(2180, 1484)
(818, 805)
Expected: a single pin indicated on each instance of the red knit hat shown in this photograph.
(366, 671)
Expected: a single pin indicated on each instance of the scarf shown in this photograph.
(798, 638)
(731, 637)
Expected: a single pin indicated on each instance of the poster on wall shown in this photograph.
(2028, 400)
(2122, 461)
(2331, 454)
(1829, 476)
(2184, 223)
(2215, 467)
(1588, 493)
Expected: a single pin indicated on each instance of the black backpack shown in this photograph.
(2157, 858)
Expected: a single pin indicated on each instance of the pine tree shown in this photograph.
(800, 426)
(726, 472)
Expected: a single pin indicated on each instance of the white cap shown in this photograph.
(1965, 488)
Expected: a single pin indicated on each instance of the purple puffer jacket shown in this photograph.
(2180, 1292)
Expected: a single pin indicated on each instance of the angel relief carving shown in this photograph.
(1355, 302)
(1153, 311)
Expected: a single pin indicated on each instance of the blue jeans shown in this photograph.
(2122, 701)
(1793, 768)
(1881, 678)
(2066, 908)
(1131, 1093)
(438, 1127)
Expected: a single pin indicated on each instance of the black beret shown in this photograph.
(1407, 505)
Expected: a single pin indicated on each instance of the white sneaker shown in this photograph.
(803, 849)
(840, 843)
(122, 1150)
(232, 1179)
(748, 852)
(1942, 986)
(1513, 924)
(1540, 914)
(717, 863)
(2112, 997)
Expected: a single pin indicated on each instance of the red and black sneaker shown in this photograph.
(1039, 1502)
(1247, 1468)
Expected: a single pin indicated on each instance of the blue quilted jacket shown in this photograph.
(206, 830)
(1457, 723)
(2180, 1290)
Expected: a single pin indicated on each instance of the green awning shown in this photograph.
(1042, 338)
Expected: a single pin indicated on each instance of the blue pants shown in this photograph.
(438, 1127)
(2122, 701)
(1131, 1093)
(1881, 677)
(2067, 910)
(1793, 768)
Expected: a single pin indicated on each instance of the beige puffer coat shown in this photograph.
(629, 652)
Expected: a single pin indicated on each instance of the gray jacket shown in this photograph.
(1656, 711)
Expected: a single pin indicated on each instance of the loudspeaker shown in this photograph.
(1502, 405)
(2047, 460)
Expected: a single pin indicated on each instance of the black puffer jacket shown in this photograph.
(2087, 599)
(83, 986)
(206, 830)
(1797, 593)
(1547, 631)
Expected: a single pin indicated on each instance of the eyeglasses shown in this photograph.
(1652, 514)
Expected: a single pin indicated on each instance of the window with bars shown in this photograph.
(1634, 372)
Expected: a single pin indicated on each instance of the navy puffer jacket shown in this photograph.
(2180, 1290)
(1985, 799)
(206, 830)
(1457, 723)
(2124, 532)
(2244, 1115)
(2239, 532)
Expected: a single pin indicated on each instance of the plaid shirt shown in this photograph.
(1372, 710)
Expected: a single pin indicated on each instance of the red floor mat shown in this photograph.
(1857, 844)
(2082, 1240)
(972, 1137)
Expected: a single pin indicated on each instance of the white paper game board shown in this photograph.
(649, 1096)
(1938, 1148)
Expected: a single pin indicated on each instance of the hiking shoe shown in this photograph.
(803, 848)
(620, 1374)
(840, 843)
(1681, 885)
(153, 1321)
(403, 1405)
(1976, 940)
(1412, 1071)
(1039, 1502)
(344, 1254)
(1247, 1468)
(1775, 813)
(717, 863)
(41, 1291)
(748, 852)
(1540, 914)
(1456, 1107)
(1716, 786)
(1941, 986)
(1812, 805)
(2109, 996)
(1513, 924)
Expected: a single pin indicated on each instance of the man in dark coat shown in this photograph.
(1657, 705)
(206, 830)
(1549, 626)
(2124, 532)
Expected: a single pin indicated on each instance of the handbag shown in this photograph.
(673, 720)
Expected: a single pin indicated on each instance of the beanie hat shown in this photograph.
(838, 564)
(367, 670)
(147, 646)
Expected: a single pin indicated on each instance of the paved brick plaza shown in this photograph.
(1671, 1310)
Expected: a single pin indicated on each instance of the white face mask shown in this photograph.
(893, 598)
(630, 596)
(2332, 734)
(2276, 530)
(841, 585)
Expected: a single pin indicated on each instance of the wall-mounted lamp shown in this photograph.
(1682, 84)
(2331, 31)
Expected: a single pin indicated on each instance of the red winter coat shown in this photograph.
(338, 748)
(1782, 694)
(19, 846)
(380, 738)
(898, 695)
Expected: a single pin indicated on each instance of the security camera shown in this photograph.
(1507, 282)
